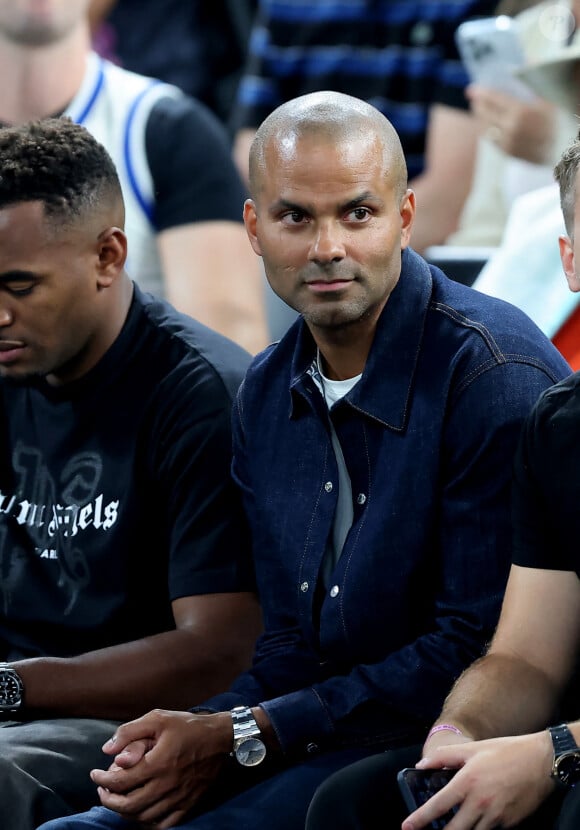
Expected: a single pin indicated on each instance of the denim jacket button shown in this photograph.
(304, 587)
(361, 498)
(334, 591)
(328, 486)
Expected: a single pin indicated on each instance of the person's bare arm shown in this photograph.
(443, 186)
(529, 661)
(213, 642)
(513, 690)
(212, 274)
(241, 151)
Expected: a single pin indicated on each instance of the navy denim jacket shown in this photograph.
(428, 435)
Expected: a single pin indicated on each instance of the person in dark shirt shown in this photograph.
(198, 46)
(124, 551)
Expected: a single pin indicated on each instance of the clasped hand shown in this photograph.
(163, 763)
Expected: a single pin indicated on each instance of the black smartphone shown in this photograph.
(418, 785)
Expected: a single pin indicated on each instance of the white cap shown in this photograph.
(555, 78)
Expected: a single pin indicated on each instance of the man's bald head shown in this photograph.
(331, 117)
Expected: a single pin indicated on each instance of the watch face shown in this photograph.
(250, 752)
(10, 689)
(568, 768)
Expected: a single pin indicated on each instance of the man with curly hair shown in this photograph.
(125, 580)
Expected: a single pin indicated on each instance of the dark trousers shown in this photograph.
(365, 796)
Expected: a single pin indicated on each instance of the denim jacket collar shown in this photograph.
(394, 351)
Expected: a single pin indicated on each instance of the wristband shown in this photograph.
(441, 727)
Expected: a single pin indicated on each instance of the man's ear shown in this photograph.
(251, 221)
(112, 254)
(568, 263)
(407, 211)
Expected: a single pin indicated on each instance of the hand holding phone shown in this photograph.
(491, 53)
(418, 785)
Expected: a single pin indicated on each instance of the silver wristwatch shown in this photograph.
(11, 690)
(249, 750)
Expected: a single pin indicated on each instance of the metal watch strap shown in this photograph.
(249, 749)
(244, 722)
(562, 739)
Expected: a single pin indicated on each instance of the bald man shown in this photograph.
(372, 446)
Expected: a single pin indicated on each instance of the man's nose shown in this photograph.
(6, 316)
(327, 245)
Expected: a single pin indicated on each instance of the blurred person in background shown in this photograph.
(526, 269)
(198, 46)
(182, 192)
(522, 137)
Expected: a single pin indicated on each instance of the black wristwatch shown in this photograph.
(566, 764)
(11, 690)
(249, 750)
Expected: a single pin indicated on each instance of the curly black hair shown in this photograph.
(57, 162)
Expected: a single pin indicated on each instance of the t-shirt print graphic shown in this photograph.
(48, 517)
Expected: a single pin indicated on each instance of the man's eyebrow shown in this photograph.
(284, 204)
(367, 196)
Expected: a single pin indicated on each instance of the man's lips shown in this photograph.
(8, 345)
(10, 350)
(322, 286)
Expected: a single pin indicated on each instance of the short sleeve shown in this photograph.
(546, 483)
(194, 175)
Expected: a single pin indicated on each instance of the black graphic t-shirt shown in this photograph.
(115, 490)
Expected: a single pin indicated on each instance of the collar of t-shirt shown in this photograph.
(332, 390)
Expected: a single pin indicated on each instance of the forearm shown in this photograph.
(241, 152)
(173, 670)
(486, 701)
(440, 210)
(212, 274)
(443, 187)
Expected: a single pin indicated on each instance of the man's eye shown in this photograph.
(359, 214)
(293, 217)
(20, 292)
